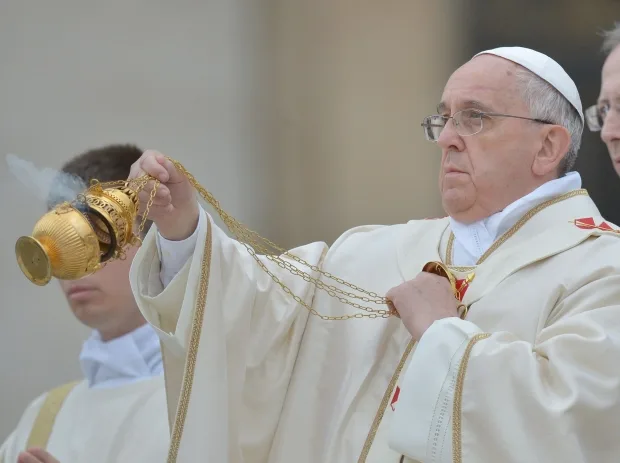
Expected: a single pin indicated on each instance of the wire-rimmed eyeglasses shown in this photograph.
(467, 122)
(595, 115)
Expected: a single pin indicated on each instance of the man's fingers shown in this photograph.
(151, 166)
(135, 171)
(175, 175)
(42, 455)
(26, 457)
(155, 210)
(36, 455)
(162, 191)
(392, 307)
(161, 199)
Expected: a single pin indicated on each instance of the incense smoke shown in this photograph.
(49, 185)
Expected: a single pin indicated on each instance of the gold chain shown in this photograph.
(148, 207)
(258, 247)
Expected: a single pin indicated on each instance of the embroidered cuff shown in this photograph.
(422, 425)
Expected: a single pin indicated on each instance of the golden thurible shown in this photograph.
(77, 238)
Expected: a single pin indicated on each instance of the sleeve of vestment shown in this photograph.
(230, 333)
(469, 395)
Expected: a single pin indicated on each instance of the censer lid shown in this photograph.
(33, 260)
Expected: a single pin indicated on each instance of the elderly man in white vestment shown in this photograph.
(604, 116)
(523, 367)
(117, 413)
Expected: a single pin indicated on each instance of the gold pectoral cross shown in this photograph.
(459, 287)
(463, 285)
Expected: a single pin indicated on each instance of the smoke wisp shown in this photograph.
(48, 185)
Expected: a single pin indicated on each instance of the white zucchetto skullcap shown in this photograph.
(545, 68)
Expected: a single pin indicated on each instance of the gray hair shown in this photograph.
(548, 104)
(611, 39)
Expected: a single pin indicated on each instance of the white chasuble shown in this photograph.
(124, 423)
(531, 374)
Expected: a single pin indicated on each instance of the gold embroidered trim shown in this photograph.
(384, 403)
(192, 351)
(449, 252)
(44, 422)
(167, 380)
(514, 229)
(457, 451)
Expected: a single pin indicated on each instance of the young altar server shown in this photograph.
(117, 412)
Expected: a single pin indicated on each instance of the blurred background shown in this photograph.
(302, 117)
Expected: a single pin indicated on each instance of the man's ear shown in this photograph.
(552, 150)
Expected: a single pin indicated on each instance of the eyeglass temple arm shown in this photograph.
(542, 121)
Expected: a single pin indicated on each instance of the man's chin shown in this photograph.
(89, 314)
(455, 203)
(452, 196)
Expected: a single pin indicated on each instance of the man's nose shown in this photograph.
(449, 139)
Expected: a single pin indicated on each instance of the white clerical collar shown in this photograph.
(472, 240)
(123, 360)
